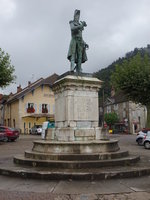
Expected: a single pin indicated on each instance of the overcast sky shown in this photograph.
(36, 33)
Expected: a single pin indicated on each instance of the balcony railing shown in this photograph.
(44, 110)
(30, 110)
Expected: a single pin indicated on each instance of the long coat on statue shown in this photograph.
(77, 45)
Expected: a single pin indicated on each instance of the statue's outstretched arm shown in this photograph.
(75, 27)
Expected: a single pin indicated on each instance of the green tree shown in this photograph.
(6, 70)
(104, 74)
(133, 78)
(111, 118)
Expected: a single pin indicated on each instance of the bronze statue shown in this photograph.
(77, 48)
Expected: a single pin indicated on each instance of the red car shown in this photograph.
(2, 136)
(11, 134)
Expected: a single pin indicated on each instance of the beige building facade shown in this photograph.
(30, 106)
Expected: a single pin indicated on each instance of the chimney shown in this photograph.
(11, 94)
(112, 91)
(29, 83)
(19, 88)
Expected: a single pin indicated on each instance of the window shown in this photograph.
(108, 109)
(100, 109)
(124, 105)
(44, 108)
(124, 114)
(14, 123)
(133, 113)
(138, 113)
(8, 122)
(42, 87)
(115, 106)
(30, 108)
(24, 125)
(139, 118)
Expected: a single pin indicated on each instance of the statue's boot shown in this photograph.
(72, 66)
(79, 68)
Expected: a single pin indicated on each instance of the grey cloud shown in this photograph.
(36, 33)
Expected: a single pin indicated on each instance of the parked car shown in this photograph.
(2, 135)
(11, 134)
(36, 129)
(140, 136)
(146, 141)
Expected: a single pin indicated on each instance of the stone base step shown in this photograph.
(92, 156)
(93, 174)
(76, 164)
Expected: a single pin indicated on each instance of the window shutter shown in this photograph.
(53, 109)
(48, 108)
(40, 108)
(35, 107)
(26, 106)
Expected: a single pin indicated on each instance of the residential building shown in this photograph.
(3, 99)
(1, 109)
(30, 106)
(133, 115)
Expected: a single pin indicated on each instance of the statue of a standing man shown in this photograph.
(77, 48)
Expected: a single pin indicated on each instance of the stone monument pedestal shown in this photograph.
(76, 109)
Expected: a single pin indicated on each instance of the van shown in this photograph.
(45, 126)
(44, 129)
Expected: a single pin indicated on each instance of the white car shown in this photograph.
(146, 141)
(44, 129)
(36, 129)
(141, 135)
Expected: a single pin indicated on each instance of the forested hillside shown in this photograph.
(105, 74)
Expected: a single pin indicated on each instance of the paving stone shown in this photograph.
(14, 195)
(87, 187)
(126, 196)
(85, 197)
(124, 189)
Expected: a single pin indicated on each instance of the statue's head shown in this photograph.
(76, 15)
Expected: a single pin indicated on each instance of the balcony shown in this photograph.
(44, 110)
(30, 110)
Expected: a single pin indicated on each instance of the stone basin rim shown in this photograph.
(76, 142)
(77, 154)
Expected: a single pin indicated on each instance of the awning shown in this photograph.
(35, 115)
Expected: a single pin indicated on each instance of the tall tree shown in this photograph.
(105, 73)
(133, 78)
(6, 70)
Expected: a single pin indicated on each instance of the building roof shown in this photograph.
(31, 87)
(117, 98)
(50, 80)
(4, 99)
(120, 97)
